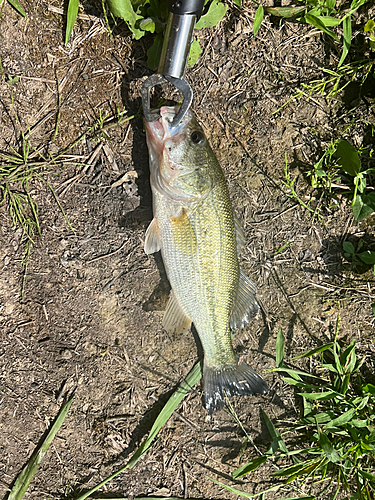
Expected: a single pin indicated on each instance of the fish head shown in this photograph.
(178, 156)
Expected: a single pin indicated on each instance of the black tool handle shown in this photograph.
(182, 7)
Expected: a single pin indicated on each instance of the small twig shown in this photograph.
(107, 254)
(185, 480)
(189, 424)
(84, 17)
(322, 287)
(285, 211)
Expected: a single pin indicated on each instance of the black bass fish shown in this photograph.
(199, 237)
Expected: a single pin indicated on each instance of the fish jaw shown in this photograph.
(170, 168)
(160, 131)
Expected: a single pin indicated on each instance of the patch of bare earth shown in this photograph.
(92, 303)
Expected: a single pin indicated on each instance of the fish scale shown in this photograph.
(195, 229)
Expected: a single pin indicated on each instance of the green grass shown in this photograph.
(27, 474)
(19, 171)
(15, 4)
(291, 192)
(340, 172)
(332, 443)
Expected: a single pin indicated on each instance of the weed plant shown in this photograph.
(150, 16)
(18, 171)
(365, 258)
(324, 15)
(340, 172)
(336, 427)
(21, 169)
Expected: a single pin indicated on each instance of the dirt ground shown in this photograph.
(90, 313)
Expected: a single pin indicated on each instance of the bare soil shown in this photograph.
(86, 312)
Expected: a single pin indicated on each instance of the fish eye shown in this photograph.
(197, 137)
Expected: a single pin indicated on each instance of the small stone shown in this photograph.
(66, 354)
(63, 243)
(8, 308)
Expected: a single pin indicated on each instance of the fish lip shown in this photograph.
(160, 130)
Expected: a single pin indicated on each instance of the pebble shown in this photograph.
(66, 354)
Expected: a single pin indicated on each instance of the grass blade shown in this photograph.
(347, 31)
(279, 349)
(367, 475)
(277, 441)
(341, 420)
(319, 396)
(328, 449)
(191, 379)
(295, 469)
(258, 19)
(250, 466)
(25, 477)
(317, 23)
(286, 11)
(71, 18)
(243, 493)
(18, 7)
(317, 350)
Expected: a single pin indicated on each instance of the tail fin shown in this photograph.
(229, 380)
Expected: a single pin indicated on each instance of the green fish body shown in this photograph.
(199, 237)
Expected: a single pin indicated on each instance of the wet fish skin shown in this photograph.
(198, 235)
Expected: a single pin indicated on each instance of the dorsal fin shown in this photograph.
(239, 233)
(245, 304)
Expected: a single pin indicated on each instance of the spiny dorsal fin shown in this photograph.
(245, 304)
(152, 238)
(175, 320)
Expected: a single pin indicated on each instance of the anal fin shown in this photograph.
(175, 320)
(152, 238)
(245, 304)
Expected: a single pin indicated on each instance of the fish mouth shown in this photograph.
(160, 130)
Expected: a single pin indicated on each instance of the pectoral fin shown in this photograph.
(245, 305)
(152, 238)
(175, 320)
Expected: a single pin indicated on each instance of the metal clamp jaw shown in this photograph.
(175, 52)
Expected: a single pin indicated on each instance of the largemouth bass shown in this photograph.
(199, 237)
